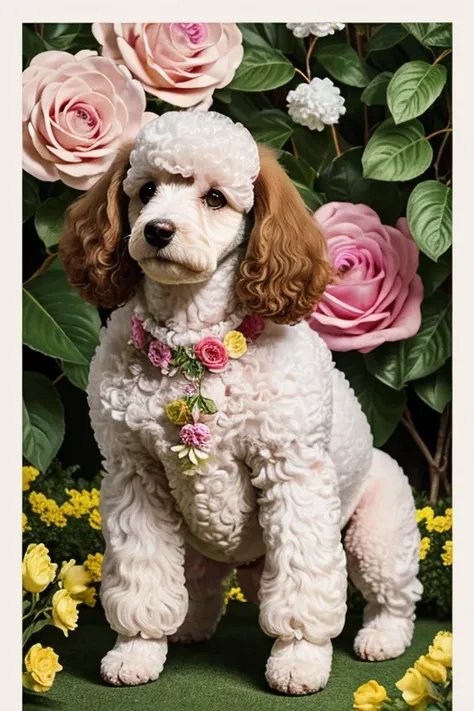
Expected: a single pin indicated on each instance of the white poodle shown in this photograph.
(190, 233)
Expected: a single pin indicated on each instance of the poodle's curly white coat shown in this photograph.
(292, 465)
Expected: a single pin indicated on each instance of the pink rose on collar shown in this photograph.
(212, 354)
(197, 435)
(252, 326)
(377, 293)
(159, 354)
(138, 333)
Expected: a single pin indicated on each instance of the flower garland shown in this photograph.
(209, 355)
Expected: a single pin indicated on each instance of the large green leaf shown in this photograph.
(32, 43)
(312, 200)
(386, 37)
(56, 321)
(60, 35)
(316, 147)
(262, 68)
(397, 152)
(413, 88)
(387, 364)
(343, 63)
(431, 34)
(375, 93)
(43, 420)
(429, 213)
(433, 274)
(49, 218)
(436, 389)
(278, 35)
(342, 181)
(272, 127)
(297, 169)
(77, 374)
(30, 196)
(382, 406)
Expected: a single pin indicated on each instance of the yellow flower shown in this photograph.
(93, 564)
(425, 513)
(370, 697)
(416, 689)
(74, 578)
(48, 510)
(28, 474)
(95, 519)
(424, 547)
(24, 523)
(41, 666)
(440, 524)
(442, 649)
(178, 412)
(235, 344)
(234, 594)
(447, 556)
(88, 596)
(80, 502)
(65, 612)
(37, 570)
(431, 668)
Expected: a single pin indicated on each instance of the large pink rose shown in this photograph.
(77, 109)
(180, 62)
(377, 293)
(212, 354)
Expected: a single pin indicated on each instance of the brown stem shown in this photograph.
(41, 269)
(39, 29)
(440, 154)
(442, 56)
(308, 56)
(293, 147)
(60, 377)
(436, 133)
(366, 124)
(302, 74)
(408, 422)
(336, 140)
(359, 38)
(437, 470)
(348, 35)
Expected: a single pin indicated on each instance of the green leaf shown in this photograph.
(60, 35)
(262, 69)
(272, 127)
(32, 43)
(56, 321)
(436, 390)
(382, 406)
(207, 405)
(49, 218)
(387, 36)
(343, 63)
(252, 36)
(316, 147)
(413, 88)
(297, 169)
(311, 199)
(26, 603)
(43, 420)
(34, 628)
(429, 213)
(223, 95)
(433, 274)
(387, 364)
(342, 181)
(31, 198)
(397, 152)
(77, 374)
(278, 36)
(431, 34)
(375, 93)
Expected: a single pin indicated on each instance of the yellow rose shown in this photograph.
(442, 649)
(65, 611)
(235, 344)
(431, 668)
(88, 596)
(41, 666)
(416, 689)
(28, 474)
(93, 564)
(370, 697)
(74, 578)
(37, 570)
(178, 412)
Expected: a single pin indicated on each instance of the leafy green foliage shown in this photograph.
(272, 127)
(413, 88)
(43, 420)
(397, 152)
(262, 69)
(431, 34)
(343, 63)
(386, 36)
(376, 92)
(429, 213)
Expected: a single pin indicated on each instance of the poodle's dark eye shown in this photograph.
(146, 192)
(215, 199)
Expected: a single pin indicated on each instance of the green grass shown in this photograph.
(224, 674)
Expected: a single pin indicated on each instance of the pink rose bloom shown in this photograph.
(212, 354)
(377, 293)
(138, 333)
(252, 326)
(197, 435)
(77, 110)
(159, 354)
(180, 62)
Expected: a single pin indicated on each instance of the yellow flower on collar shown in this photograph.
(178, 412)
(235, 344)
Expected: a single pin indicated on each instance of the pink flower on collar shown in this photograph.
(197, 435)
(159, 354)
(212, 354)
(138, 333)
(252, 326)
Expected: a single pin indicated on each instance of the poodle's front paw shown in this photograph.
(299, 667)
(133, 661)
(378, 643)
(201, 620)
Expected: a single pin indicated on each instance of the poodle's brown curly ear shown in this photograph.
(285, 270)
(93, 247)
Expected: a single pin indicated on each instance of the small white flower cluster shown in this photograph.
(316, 104)
(319, 29)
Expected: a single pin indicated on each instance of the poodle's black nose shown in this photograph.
(159, 233)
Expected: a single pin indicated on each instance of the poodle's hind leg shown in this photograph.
(205, 585)
(382, 544)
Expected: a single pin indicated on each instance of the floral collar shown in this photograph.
(208, 355)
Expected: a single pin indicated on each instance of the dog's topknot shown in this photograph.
(207, 146)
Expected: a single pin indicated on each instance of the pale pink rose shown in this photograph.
(197, 435)
(77, 110)
(212, 354)
(252, 326)
(377, 293)
(180, 62)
